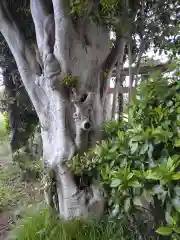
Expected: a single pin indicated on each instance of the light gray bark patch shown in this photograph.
(63, 53)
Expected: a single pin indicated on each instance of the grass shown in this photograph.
(41, 224)
(2, 128)
(38, 223)
(15, 194)
(5, 151)
(19, 197)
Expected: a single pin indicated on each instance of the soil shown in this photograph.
(28, 192)
(5, 221)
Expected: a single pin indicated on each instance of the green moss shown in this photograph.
(71, 81)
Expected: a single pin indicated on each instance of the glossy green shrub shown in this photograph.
(139, 162)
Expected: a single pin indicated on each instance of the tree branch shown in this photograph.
(117, 86)
(141, 51)
(39, 11)
(108, 65)
(63, 26)
(27, 65)
(130, 70)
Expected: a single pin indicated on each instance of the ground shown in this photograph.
(15, 194)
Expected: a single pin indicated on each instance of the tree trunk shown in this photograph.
(13, 113)
(118, 80)
(114, 103)
(120, 99)
(66, 95)
(130, 71)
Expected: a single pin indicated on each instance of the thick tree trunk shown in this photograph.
(20, 110)
(62, 140)
(70, 114)
(13, 113)
(114, 103)
(130, 71)
(118, 83)
(120, 98)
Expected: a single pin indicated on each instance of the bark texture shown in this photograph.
(70, 114)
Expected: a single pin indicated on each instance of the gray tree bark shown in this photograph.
(130, 71)
(70, 117)
(118, 78)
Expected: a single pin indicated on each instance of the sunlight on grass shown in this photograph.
(2, 128)
(15, 194)
(42, 224)
(5, 150)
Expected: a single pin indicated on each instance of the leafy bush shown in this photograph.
(31, 169)
(6, 122)
(42, 224)
(139, 162)
(5, 198)
(15, 194)
(7, 176)
(3, 132)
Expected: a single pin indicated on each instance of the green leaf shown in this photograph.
(115, 183)
(170, 162)
(176, 203)
(127, 203)
(168, 218)
(130, 175)
(133, 146)
(138, 174)
(113, 149)
(121, 135)
(175, 157)
(165, 231)
(137, 201)
(176, 176)
(177, 143)
(176, 229)
(170, 103)
(152, 175)
(177, 190)
(144, 148)
(137, 138)
(135, 184)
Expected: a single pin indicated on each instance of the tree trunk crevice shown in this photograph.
(67, 127)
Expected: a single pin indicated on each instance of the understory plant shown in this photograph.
(41, 223)
(139, 162)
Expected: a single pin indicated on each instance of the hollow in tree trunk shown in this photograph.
(65, 80)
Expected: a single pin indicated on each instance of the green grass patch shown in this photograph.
(15, 193)
(43, 224)
(3, 132)
(5, 150)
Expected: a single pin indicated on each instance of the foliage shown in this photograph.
(31, 169)
(155, 23)
(79, 6)
(3, 133)
(16, 194)
(5, 198)
(6, 122)
(43, 224)
(139, 162)
(71, 80)
(15, 191)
